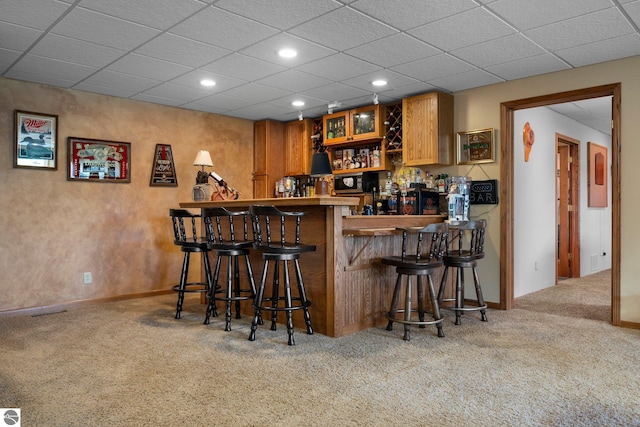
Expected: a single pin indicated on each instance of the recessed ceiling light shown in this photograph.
(297, 103)
(287, 53)
(379, 82)
(207, 82)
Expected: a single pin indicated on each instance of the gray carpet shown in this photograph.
(129, 363)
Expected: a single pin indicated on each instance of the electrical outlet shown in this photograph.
(87, 278)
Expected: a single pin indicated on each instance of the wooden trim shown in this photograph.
(57, 308)
(506, 189)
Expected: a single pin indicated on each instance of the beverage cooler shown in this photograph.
(458, 198)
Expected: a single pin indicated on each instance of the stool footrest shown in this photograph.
(413, 322)
(192, 287)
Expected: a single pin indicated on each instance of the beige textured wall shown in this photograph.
(480, 108)
(52, 230)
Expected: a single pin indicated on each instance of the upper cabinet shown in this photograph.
(360, 124)
(427, 129)
(298, 147)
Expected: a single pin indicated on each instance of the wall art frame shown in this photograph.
(96, 160)
(475, 146)
(36, 140)
(163, 171)
(598, 193)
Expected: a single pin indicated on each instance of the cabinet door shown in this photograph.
(427, 129)
(298, 147)
(335, 127)
(268, 157)
(366, 123)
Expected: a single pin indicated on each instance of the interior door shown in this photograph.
(568, 214)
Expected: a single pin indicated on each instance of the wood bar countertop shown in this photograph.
(348, 287)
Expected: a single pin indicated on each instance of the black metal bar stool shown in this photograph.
(281, 246)
(185, 233)
(421, 263)
(227, 243)
(467, 248)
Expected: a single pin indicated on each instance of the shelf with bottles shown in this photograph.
(317, 138)
(393, 128)
(361, 158)
(359, 124)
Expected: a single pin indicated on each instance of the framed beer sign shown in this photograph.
(475, 147)
(36, 141)
(96, 160)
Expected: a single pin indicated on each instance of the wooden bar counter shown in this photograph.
(348, 287)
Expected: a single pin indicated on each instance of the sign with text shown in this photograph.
(484, 192)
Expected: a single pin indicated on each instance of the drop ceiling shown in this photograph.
(158, 51)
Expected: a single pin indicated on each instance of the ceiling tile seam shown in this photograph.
(44, 33)
(518, 31)
(133, 51)
(626, 16)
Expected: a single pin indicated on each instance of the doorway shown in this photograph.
(568, 207)
(507, 189)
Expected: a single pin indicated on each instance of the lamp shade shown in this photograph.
(203, 159)
(320, 165)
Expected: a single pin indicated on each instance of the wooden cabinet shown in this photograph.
(359, 124)
(427, 129)
(298, 147)
(268, 158)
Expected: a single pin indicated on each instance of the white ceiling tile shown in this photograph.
(497, 51)
(339, 67)
(102, 29)
(105, 90)
(17, 37)
(77, 51)
(606, 50)
(7, 57)
(156, 69)
(257, 92)
(160, 14)
(527, 67)
(46, 79)
(243, 67)
(467, 80)
(464, 29)
(309, 102)
(406, 14)
(192, 79)
(527, 14)
(293, 80)
(282, 14)
(176, 92)
(407, 90)
(335, 92)
(54, 68)
(206, 108)
(393, 50)
(221, 28)
(633, 10)
(267, 50)
(127, 82)
(393, 79)
(342, 29)
(181, 50)
(263, 111)
(222, 101)
(585, 29)
(38, 14)
(156, 99)
(433, 67)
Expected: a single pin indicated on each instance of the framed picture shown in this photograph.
(36, 141)
(98, 161)
(598, 172)
(163, 172)
(475, 146)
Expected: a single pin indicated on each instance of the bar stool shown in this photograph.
(423, 262)
(468, 248)
(189, 240)
(281, 246)
(223, 239)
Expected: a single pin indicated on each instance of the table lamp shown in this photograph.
(202, 189)
(321, 167)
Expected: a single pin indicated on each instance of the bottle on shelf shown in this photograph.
(388, 183)
(374, 201)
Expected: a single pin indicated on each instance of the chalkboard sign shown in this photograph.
(484, 192)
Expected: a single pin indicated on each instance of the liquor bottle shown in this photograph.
(374, 201)
(388, 183)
